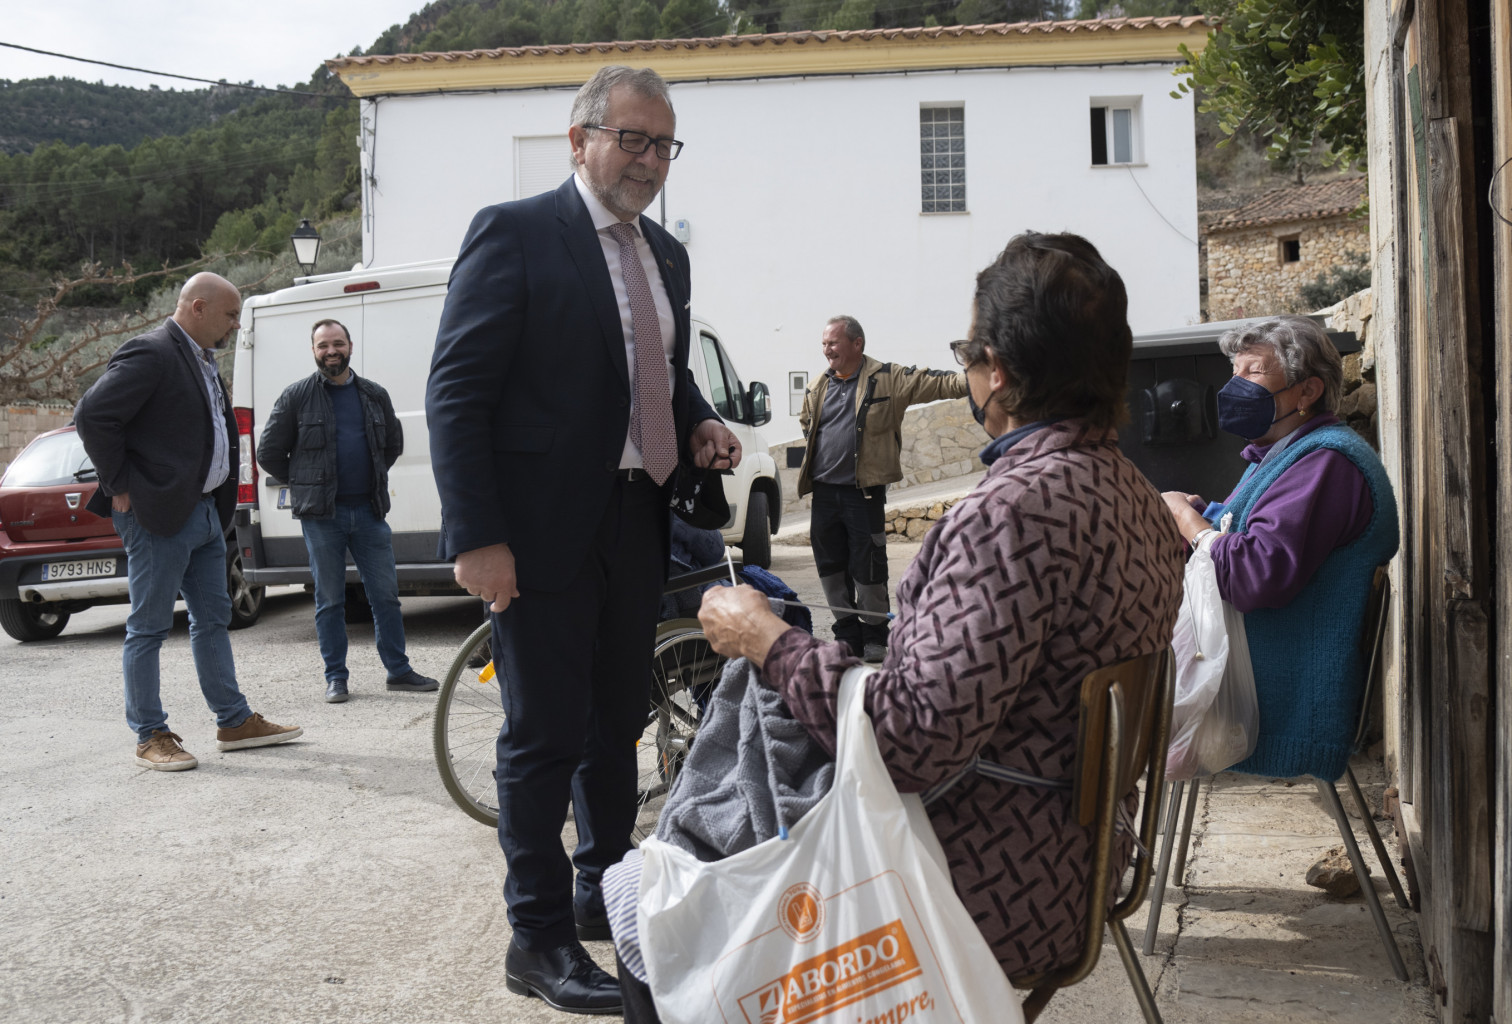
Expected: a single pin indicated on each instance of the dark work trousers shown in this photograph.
(574, 668)
(640, 1008)
(848, 535)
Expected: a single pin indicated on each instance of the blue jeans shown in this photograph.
(192, 562)
(356, 529)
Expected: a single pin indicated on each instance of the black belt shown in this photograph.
(631, 475)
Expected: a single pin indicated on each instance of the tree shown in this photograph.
(39, 366)
(1291, 72)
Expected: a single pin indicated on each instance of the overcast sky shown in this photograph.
(267, 42)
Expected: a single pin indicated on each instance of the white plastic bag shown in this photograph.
(1215, 716)
(851, 918)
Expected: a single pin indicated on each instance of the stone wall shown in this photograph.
(940, 440)
(19, 424)
(1358, 406)
(1245, 275)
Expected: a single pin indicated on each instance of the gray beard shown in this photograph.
(333, 372)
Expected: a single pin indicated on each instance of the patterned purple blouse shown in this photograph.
(1062, 560)
(1321, 503)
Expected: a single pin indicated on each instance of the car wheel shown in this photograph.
(246, 600)
(756, 544)
(26, 620)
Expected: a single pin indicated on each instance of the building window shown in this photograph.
(542, 162)
(1115, 131)
(942, 159)
(1290, 249)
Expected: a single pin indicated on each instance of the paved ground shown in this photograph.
(332, 880)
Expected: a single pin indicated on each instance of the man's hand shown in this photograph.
(738, 622)
(120, 502)
(488, 573)
(713, 446)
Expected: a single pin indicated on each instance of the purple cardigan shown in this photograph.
(1318, 505)
(1062, 560)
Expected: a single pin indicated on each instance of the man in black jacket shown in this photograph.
(157, 425)
(332, 438)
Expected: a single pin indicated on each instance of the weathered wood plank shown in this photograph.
(1501, 241)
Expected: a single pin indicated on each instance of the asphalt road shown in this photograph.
(327, 879)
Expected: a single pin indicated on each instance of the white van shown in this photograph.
(392, 314)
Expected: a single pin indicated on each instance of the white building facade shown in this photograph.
(869, 173)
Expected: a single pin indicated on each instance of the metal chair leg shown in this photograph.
(1163, 868)
(1367, 888)
(1136, 973)
(1375, 839)
(1186, 832)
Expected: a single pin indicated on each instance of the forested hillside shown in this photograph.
(147, 176)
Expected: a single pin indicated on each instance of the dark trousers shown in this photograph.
(574, 669)
(848, 534)
(640, 1008)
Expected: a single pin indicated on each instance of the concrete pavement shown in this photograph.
(332, 880)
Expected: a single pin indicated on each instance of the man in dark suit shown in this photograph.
(559, 407)
(158, 427)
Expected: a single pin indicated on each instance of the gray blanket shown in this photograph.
(752, 772)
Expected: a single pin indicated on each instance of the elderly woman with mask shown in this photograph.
(1062, 560)
(1297, 543)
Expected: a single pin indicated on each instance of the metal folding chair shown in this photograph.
(1122, 734)
(1374, 635)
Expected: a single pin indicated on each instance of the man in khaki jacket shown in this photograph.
(852, 417)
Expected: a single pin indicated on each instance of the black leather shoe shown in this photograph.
(565, 978)
(336, 691)
(414, 682)
(593, 929)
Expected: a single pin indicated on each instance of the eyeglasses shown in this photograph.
(962, 351)
(632, 141)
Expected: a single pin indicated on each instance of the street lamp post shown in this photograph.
(306, 241)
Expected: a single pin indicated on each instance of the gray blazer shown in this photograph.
(146, 426)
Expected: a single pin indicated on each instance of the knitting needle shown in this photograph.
(799, 604)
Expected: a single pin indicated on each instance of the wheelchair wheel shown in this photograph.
(684, 671)
(469, 714)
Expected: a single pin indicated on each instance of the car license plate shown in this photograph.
(283, 497)
(81, 570)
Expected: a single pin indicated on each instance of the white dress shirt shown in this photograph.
(603, 220)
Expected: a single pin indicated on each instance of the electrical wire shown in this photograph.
(169, 74)
(1152, 206)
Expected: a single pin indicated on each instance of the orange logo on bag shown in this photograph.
(848, 973)
(801, 912)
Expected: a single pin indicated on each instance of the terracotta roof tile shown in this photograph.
(1022, 28)
(1297, 202)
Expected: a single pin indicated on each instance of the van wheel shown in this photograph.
(27, 620)
(756, 544)
(246, 600)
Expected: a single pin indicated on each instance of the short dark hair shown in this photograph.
(328, 323)
(853, 331)
(1056, 317)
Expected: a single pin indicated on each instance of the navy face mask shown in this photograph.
(1247, 409)
(978, 413)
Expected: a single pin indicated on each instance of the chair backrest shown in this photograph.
(1122, 734)
(1372, 642)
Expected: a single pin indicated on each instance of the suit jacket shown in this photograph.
(528, 402)
(139, 423)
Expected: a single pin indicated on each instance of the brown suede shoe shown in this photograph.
(162, 753)
(256, 731)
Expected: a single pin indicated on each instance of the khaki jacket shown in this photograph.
(883, 395)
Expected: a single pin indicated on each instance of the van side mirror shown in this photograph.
(758, 404)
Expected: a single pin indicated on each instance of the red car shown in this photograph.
(57, 558)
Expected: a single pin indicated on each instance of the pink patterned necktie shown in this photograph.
(651, 422)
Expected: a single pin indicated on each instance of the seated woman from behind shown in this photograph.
(1061, 561)
(1297, 543)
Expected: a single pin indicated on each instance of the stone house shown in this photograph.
(1261, 253)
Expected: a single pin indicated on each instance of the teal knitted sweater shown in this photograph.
(1309, 666)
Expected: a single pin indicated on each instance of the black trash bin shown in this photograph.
(1172, 434)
